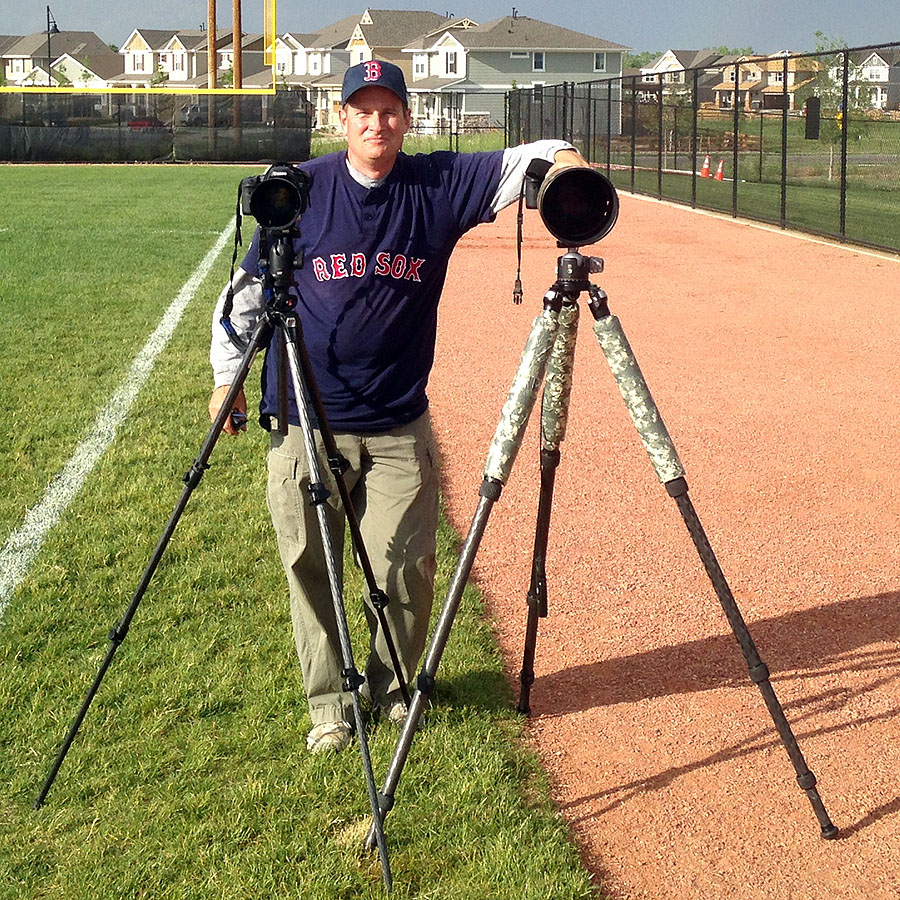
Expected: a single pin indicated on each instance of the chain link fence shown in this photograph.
(68, 127)
(806, 141)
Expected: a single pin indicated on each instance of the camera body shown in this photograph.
(278, 197)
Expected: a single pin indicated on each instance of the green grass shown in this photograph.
(189, 778)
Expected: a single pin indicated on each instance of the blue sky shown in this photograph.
(766, 26)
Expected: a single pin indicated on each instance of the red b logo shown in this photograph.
(373, 71)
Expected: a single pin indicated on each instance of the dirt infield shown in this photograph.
(775, 362)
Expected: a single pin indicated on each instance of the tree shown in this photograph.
(734, 51)
(639, 60)
(829, 88)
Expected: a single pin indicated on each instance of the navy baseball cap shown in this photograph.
(374, 73)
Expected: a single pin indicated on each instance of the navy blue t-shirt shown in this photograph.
(375, 261)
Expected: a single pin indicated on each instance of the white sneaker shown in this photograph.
(329, 737)
(397, 712)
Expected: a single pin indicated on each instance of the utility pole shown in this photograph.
(211, 47)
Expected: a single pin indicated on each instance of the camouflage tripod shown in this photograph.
(549, 356)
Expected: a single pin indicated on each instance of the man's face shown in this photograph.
(374, 121)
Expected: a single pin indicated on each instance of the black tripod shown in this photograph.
(278, 322)
(550, 352)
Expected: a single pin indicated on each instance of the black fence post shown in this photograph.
(845, 119)
(633, 126)
(737, 135)
(609, 122)
(695, 109)
(588, 125)
(784, 140)
(506, 107)
(660, 138)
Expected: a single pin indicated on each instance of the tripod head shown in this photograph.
(277, 262)
(573, 269)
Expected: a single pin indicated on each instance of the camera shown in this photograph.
(278, 197)
(577, 205)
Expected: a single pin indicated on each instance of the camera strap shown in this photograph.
(531, 183)
(517, 288)
(228, 306)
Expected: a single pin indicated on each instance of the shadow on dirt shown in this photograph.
(846, 636)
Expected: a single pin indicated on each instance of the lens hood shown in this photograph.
(578, 205)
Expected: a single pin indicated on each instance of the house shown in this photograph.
(481, 62)
(376, 34)
(674, 72)
(25, 60)
(87, 70)
(762, 82)
(177, 57)
(875, 78)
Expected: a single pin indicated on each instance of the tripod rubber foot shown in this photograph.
(830, 832)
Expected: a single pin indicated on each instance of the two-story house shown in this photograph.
(181, 58)
(479, 63)
(25, 60)
(377, 33)
(673, 73)
(762, 82)
(875, 76)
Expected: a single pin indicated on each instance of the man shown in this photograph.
(376, 237)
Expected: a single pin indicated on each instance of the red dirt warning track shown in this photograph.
(774, 362)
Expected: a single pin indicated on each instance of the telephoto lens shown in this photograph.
(578, 205)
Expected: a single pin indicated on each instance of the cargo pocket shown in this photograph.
(284, 496)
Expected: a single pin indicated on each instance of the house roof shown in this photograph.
(424, 41)
(104, 65)
(336, 35)
(192, 38)
(301, 40)
(396, 28)
(524, 33)
(7, 41)
(436, 84)
(71, 42)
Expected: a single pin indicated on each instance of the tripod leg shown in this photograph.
(290, 328)
(554, 414)
(501, 456)
(191, 479)
(338, 466)
(661, 450)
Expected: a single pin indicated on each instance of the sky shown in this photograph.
(766, 26)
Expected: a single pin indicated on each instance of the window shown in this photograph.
(537, 61)
(451, 63)
(420, 67)
(519, 54)
(599, 62)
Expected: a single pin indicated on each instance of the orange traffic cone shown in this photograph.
(720, 172)
(704, 171)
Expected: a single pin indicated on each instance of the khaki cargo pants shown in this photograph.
(393, 481)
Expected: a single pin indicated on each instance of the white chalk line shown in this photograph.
(23, 545)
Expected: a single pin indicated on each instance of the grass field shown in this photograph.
(189, 778)
(871, 214)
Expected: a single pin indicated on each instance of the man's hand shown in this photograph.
(562, 159)
(240, 406)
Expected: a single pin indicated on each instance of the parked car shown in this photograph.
(145, 123)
